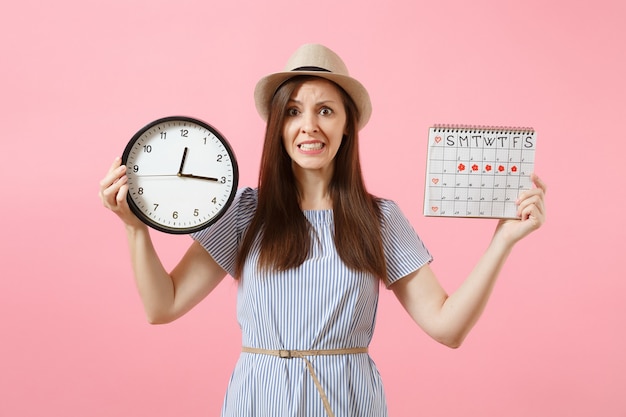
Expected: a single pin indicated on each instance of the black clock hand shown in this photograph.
(198, 177)
(182, 162)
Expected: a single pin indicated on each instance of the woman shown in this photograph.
(309, 248)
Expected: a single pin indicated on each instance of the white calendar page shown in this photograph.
(475, 171)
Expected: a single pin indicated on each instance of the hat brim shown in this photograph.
(267, 86)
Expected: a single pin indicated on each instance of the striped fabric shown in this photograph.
(319, 305)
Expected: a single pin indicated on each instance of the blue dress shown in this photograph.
(320, 305)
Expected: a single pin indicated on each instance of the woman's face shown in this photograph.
(314, 126)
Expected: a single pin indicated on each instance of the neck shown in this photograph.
(313, 188)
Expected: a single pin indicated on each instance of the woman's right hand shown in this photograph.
(113, 191)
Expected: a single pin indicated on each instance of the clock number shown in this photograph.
(223, 180)
(184, 133)
(163, 135)
(214, 201)
(219, 158)
(135, 168)
(147, 148)
(140, 191)
(156, 206)
(196, 213)
(175, 215)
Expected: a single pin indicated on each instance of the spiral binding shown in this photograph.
(460, 128)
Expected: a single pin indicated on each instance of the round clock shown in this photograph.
(182, 174)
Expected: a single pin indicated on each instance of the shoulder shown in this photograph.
(389, 210)
(392, 219)
(385, 204)
(247, 198)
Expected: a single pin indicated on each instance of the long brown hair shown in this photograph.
(283, 228)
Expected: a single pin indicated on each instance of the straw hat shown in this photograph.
(319, 61)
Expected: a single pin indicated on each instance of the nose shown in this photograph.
(309, 123)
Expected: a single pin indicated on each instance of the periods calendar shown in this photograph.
(477, 171)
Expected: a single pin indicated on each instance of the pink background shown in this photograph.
(79, 78)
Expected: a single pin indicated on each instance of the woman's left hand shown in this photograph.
(531, 210)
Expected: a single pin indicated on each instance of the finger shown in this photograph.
(533, 214)
(538, 182)
(527, 212)
(539, 190)
(120, 197)
(532, 193)
(530, 199)
(113, 175)
(537, 200)
(109, 195)
(116, 163)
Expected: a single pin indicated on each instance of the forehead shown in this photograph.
(317, 88)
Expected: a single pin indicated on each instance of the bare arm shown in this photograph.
(449, 318)
(165, 296)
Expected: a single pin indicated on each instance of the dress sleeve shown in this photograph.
(222, 239)
(404, 250)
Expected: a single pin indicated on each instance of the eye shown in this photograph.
(292, 111)
(326, 111)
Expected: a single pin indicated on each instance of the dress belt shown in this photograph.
(302, 354)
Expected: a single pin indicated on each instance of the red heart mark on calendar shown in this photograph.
(437, 139)
(435, 180)
(435, 209)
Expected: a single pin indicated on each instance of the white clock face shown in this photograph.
(182, 174)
